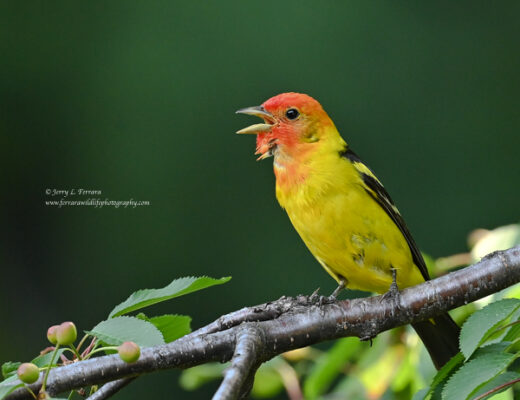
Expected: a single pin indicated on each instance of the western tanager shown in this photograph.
(340, 209)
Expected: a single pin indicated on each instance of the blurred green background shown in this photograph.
(137, 99)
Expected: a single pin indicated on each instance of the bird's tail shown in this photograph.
(440, 335)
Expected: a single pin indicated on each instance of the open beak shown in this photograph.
(258, 111)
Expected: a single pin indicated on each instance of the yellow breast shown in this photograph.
(341, 224)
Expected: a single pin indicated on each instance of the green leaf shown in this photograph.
(507, 376)
(444, 373)
(499, 347)
(178, 287)
(121, 329)
(474, 374)
(513, 333)
(8, 385)
(329, 366)
(45, 359)
(9, 368)
(172, 326)
(195, 377)
(482, 323)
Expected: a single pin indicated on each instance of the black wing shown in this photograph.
(376, 190)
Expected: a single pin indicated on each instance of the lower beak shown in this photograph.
(257, 111)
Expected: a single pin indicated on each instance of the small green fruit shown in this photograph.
(28, 373)
(129, 352)
(51, 334)
(66, 333)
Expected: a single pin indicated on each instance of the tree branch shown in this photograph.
(248, 346)
(110, 389)
(291, 323)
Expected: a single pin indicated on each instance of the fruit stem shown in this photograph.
(75, 351)
(31, 392)
(101, 349)
(44, 384)
(82, 341)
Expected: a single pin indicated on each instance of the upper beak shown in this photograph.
(258, 111)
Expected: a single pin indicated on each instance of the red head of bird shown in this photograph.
(293, 125)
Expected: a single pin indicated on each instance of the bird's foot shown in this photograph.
(316, 298)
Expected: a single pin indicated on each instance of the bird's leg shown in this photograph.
(341, 286)
(393, 291)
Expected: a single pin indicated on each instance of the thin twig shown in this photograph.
(494, 390)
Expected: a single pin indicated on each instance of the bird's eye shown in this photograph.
(292, 113)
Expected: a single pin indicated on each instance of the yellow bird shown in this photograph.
(340, 209)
